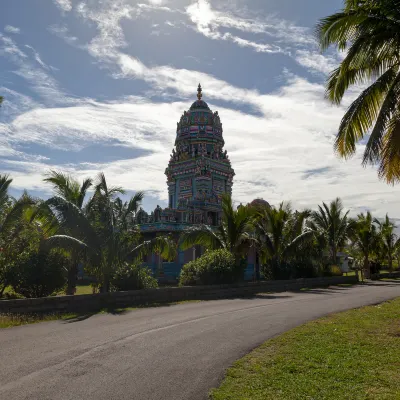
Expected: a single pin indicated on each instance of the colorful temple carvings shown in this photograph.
(199, 172)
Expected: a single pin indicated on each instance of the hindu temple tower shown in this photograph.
(199, 172)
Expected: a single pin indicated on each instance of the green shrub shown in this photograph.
(39, 274)
(334, 270)
(133, 277)
(213, 267)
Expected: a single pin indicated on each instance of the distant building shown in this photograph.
(199, 172)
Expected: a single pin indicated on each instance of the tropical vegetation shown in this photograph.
(43, 242)
(86, 225)
(367, 33)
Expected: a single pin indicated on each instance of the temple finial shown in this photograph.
(199, 92)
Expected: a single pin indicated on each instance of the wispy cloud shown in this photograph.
(277, 33)
(317, 62)
(208, 22)
(62, 32)
(39, 78)
(12, 29)
(63, 5)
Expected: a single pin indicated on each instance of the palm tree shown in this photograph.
(368, 30)
(280, 234)
(100, 232)
(390, 241)
(234, 233)
(70, 189)
(1, 99)
(332, 225)
(363, 235)
(12, 212)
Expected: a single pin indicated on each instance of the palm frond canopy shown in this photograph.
(281, 233)
(66, 186)
(5, 182)
(163, 245)
(332, 223)
(369, 32)
(15, 213)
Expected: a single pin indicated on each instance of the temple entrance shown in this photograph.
(212, 218)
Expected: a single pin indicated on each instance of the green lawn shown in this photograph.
(352, 355)
(84, 289)
(9, 320)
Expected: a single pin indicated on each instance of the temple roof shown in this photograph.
(199, 120)
(199, 104)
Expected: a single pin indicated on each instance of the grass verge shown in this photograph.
(10, 320)
(350, 355)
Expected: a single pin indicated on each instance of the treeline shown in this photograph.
(43, 242)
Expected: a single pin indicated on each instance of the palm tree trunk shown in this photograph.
(390, 263)
(334, 254)
(105, 288)
(367, 268)
(72, 279)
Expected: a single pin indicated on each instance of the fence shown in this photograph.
(93, 302)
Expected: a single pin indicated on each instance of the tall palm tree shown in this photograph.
(233, 234)
(390, 241)
(100, 234)
(332, 224)
(369, 32)
(65, 186)
(1, 99)
(280, 234)
(364, 237)
(5, 182)
(12, 212)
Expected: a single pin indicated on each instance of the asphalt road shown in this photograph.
(176, 352)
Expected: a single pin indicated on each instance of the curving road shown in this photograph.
(176, 352)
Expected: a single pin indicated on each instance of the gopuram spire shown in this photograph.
(199, 92)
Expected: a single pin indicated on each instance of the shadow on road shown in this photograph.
(326, 291)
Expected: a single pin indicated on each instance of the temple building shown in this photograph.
(199, 172)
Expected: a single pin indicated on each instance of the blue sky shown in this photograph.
(96, 85)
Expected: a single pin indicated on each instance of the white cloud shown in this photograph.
(62, 32)
(63, 5)
(209, 22)
(157, 2)
(317, 62)
(12, 29)
(38, 58)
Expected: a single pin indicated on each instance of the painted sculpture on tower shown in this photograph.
(199, 171)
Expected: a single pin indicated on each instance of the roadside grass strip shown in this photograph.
(349, 355)
(11, 320)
